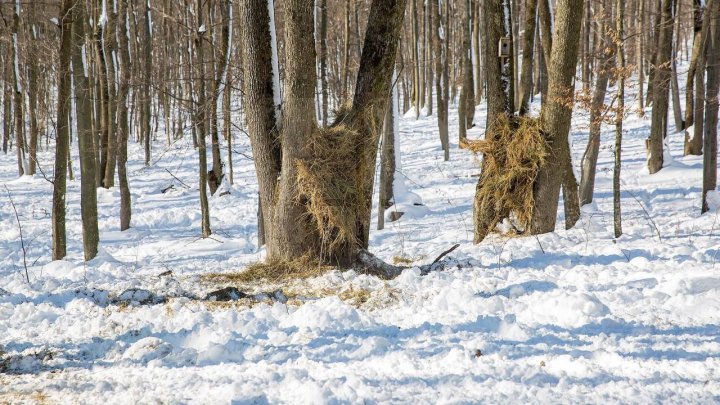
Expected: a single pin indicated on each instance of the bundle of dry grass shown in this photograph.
(330, 183)
(514, 149)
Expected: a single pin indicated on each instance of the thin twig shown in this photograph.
(22, 240)
(174, 177)
(445, 253)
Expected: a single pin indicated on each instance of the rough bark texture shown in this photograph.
(590, 157)
(556, 113)
(528, 38)
(200, 115)
(696, 72)
(711, 106)
(122, 114)
(387, 165)
(466, 107)
(499, 72)
(83, 106)
(62, 140)
(661, 86)
(441, 78)
(620, 52)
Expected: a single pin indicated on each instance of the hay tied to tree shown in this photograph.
(331, 183)
(514, 149)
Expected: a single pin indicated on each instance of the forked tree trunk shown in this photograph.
(556, 114)
(289, 234)
(83, 106)
(62, 139)
(661, 82)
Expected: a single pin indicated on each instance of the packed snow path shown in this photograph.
(567, 317)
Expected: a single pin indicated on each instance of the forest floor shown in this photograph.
(568, 317)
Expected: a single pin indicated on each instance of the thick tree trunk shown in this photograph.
(556, 114)
(83, 106)
(661, 82)
(62, 139)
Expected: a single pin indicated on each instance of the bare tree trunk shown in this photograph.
(416, 60)
(83, 106)
(526, 79)
(658, 130)
(693, 142)
(147, 77)
(387, 164)
(199, 113)
(467, 97)
(597, 107)
(556, 114)
(711, 105)
(110, 50)
(122, 116)
(323, 60)
(674, 86)
(18, 95)
(441, 78)
(640, 54)
(620, 45)
(62, 139)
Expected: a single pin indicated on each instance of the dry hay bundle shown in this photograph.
(330, 184)
(514, 149)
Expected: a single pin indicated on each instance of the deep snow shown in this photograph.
(568, 317)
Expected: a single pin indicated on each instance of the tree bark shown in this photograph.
(62, 139)
(661, 85)
(199, 113)
(83, 106)
(441, 78)
(467, 93)
(122, 116)
(620, 52)
(556, 114)
(528, 48)
(711, 106)
(693, 142)
(590, 157)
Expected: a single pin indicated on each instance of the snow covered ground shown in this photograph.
(568, 317)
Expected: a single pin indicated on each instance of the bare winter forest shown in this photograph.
(359, 201)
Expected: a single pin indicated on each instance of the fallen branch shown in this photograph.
(374, 266)
(22, 240)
